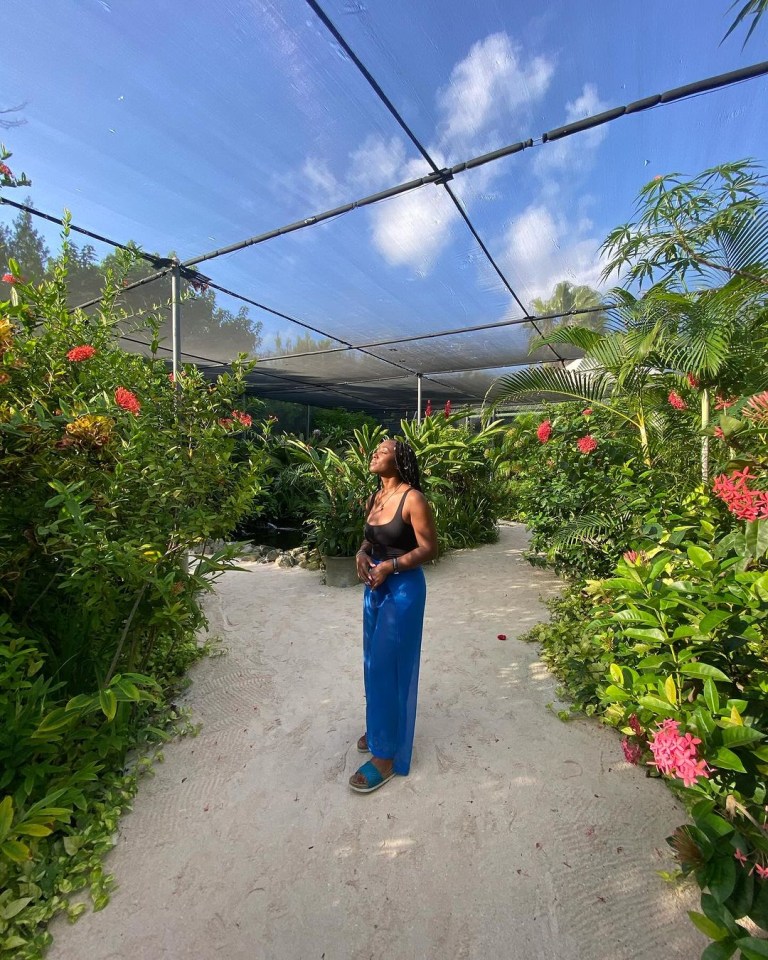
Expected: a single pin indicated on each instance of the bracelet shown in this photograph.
(394, 565)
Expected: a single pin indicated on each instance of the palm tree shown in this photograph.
(567, 298)
(713, 226)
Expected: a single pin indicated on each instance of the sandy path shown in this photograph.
(516, 837)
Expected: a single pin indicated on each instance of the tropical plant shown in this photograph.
(111, 476)
(672, 338)
(754, 8)
(567, 298)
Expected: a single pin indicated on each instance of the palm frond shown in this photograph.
(745, 241)
(576, 336)
(552, 384)
(592, 528)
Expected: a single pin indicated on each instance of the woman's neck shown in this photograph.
(390, 484)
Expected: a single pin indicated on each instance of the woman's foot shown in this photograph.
(366, 784)
(362, 744)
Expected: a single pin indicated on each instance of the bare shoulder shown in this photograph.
(415, 502)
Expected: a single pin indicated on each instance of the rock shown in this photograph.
(304, 564)
(258, 551)
(313, 565)
(285, 561)
(271, 555)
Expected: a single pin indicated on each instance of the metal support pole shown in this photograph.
(176, 320)
(418, 398)
(309, 421)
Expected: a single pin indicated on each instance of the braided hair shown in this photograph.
(406, 463)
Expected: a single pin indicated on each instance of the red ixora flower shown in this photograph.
(78, 354)
(9, 278)
(718, 432)
(742, 502)
(127, 400)
(636, 726)
(693, 382)
(6, 171)
(245, 419)
(544, 431)
(588, 412)
(632, 751)
(676, 401)
(722, 403)
(586, 444)
(447, 409)
(226, 422)
(428, 409)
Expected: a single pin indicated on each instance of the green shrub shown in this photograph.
(110, 475)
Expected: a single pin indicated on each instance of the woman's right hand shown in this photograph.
(364, 564)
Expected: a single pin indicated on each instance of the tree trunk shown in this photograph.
(704, 439)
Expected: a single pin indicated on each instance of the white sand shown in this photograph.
(516, 836)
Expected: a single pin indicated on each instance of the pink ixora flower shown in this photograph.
(742, 858)
(9, 278)
(757, 408)
(693, 382)
(676, 755)
(586, 444)
(6, 170)
(718, 432)
(428, 409)
(636, 726)
(127, 400)
(587, 412)
(722, 403)
(677, 401)
(743, 502)
(447, 408)
(78, 354)
(544, 431)
(761, 871)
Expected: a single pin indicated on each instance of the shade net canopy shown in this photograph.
(188, 128)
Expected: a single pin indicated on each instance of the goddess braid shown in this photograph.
(406, 463)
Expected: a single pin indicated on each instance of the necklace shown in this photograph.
(380, 507)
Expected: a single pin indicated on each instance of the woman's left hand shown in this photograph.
(378, 574)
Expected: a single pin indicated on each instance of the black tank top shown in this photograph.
(391, 539)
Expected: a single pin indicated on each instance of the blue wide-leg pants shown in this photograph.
(393, 618)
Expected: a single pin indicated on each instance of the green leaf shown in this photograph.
(720, 877)
(712, 930)
(56, 721)
(711, 696)
(6, 816)
(640, 633)
(757, 538)
(15, 850)
(670, 690)
(616, 674)
(657, 705)
(713, 619)
(727, 760)
(108, 702)
(752, 947)
(698, 556)
(33, 830)
(704, 671)
(719, 951)
(739, 735)
(11, 909)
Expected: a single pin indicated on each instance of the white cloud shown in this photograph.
(490, 84)
(413, 229)
(541, 249)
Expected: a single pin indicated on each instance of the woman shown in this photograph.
(400, 536)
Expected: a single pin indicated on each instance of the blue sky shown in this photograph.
(189, 126)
